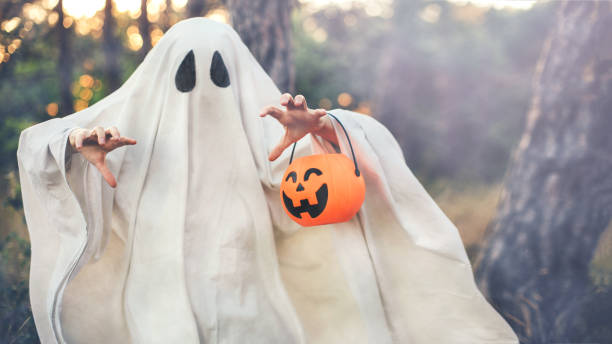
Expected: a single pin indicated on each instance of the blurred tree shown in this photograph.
(405, 103)
(144, 26)
(10, 8)
(166, 19)
(557, 197)
(111, 46)
(65, 61)
(453, 85)
(265, 27)
(195, 8)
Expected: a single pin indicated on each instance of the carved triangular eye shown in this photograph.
(218, 72)
(185, 78)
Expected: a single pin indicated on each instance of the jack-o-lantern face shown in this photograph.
(313, 210)
(322, 189)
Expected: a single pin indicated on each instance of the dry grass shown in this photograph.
(470, 207)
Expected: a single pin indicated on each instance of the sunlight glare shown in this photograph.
(130, 6)
(134, 38)
(499, 4)
(80, 8)
(49, 4)
(431, 13)
(34, 12)
(178, 5)
(52, 18)
(11, 24)
(221, 15)
(156, 35)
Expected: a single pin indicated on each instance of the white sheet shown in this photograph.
(193, 245)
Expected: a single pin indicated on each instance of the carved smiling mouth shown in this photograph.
(305, 206)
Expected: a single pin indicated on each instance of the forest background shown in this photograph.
(487, 100)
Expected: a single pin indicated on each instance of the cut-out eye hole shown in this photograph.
(218, 72)
(293, 176)
(185, 78)
(310, 171)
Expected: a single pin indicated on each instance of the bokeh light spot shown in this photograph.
(325, 103)
(344, 99)
(11, 24)
(52, 109)
(80, 104)
(49, 4)
(431, 13)
(319, 35)
(86, 81)
(52, 18)
(88, 64)
(156, 35)
(177, 5)
(82, 8)
(221, 15)
(134, 38)
(350, 20)
(86, 94)
(364, 108)
(34, 12)
(68, 22)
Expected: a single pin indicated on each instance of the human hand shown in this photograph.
(95, 143)
(298, 121)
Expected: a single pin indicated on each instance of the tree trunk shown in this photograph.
(195, 8)
(166, 20)
(64, 61)
(111, 49)
(144, 28)
(557, 199)
(265, 27)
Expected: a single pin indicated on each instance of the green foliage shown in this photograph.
(15, 313)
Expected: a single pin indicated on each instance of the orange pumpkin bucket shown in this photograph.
(323, 188)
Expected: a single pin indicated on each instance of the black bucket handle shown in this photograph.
(357, 173)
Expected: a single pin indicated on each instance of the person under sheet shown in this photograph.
(180, 237)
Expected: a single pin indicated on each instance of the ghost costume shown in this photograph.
(193, 245)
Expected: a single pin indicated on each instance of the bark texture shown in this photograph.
(64, 61)
(111, 47)
(557, 199)
(265, 27)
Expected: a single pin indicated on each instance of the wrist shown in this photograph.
(324, 126)
(326, 130)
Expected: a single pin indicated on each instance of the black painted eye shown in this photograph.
(218, 72)
(185, 78)
(310, 171)
(293, 176)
